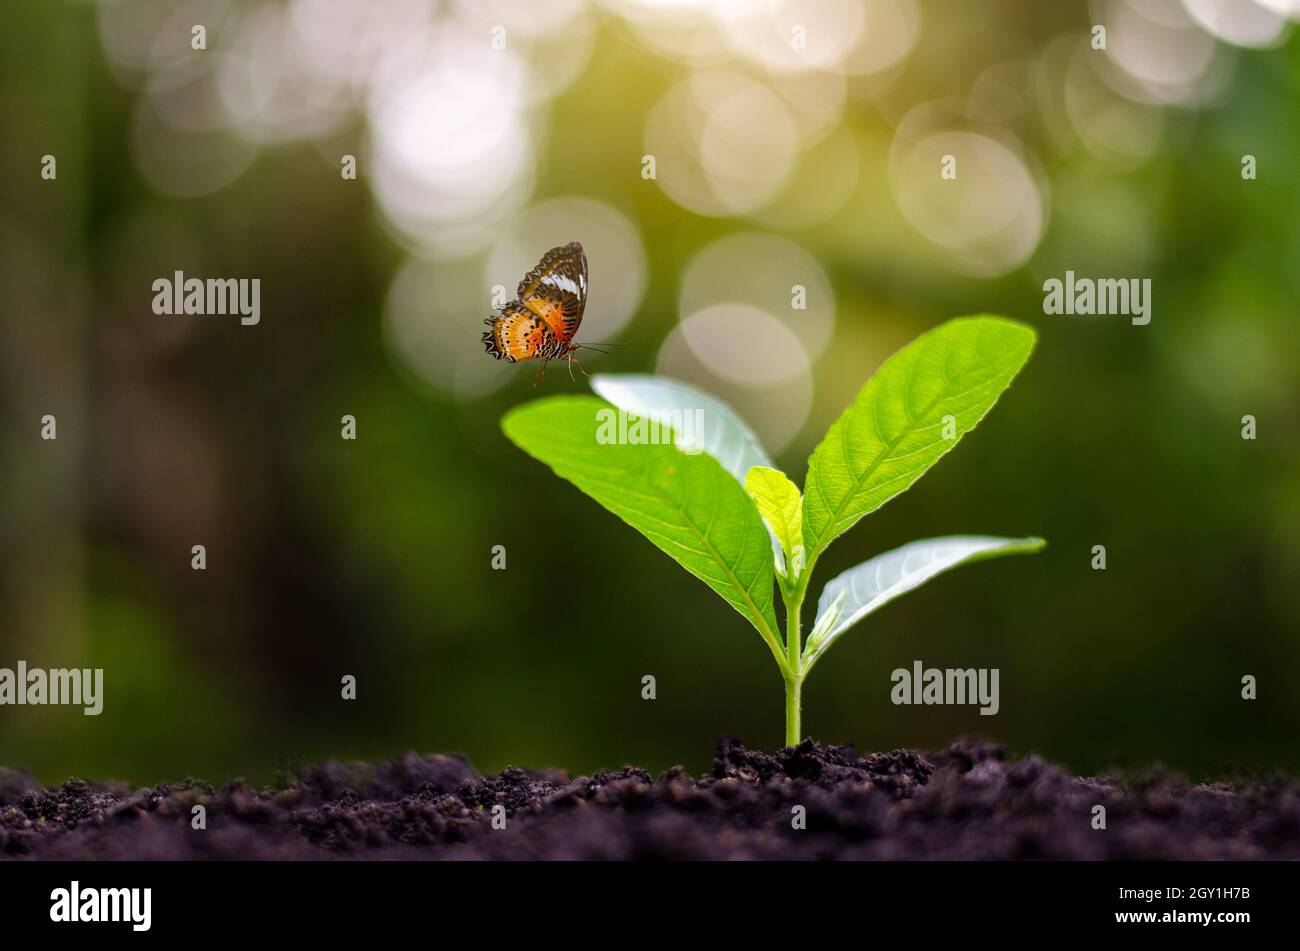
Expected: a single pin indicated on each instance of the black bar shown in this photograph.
(339, 899)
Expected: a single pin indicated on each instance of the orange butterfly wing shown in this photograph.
(542, 322)
(520, 334)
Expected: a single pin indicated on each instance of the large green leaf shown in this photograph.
(720, 432)
(710, 425)
(913, 410)
(852, 595)
(684, 503)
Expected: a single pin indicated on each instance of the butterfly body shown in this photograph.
(541, 322)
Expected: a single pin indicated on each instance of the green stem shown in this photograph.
(793, 686)
(794, 676)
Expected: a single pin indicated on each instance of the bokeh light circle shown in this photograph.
(824, 182)
(185, 164)
(1156, 54)
(892, 29)
(433, 322)
(723, 143)
(1248, 23)
(989, 218)
(451, 150)
(760, 272)
(786, 35)
(268, 87)
(144, 36)
(776, 411)
(362, 45)
(743, 344)
(1115, 129)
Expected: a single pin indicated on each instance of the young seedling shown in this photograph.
(721, 509)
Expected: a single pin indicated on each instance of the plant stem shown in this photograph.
(794, 678)
(793, 687)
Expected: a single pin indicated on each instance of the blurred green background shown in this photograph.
(792, 144)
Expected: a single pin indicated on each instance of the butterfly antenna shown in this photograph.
(599, 348)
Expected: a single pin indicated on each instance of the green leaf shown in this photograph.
(828, 616)
(851, 596)
(779, 503)
(717, 429)
(684, 503)
(706, 423)
(913, 410)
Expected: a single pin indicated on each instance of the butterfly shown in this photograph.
(541, 322)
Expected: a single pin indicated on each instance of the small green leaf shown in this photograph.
(913, 410)
(685, 503)
(851, 596)
(828, 618)
(779, 503)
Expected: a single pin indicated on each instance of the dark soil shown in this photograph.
(967, 802)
